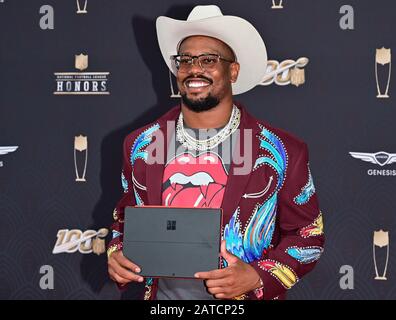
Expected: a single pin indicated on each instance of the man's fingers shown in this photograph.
(211, 283)
(115, 277)
(121, 280)
(214, 274)
(125, 262)
(123, 272)
(216, 290)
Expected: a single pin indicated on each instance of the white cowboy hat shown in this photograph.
(237, 33)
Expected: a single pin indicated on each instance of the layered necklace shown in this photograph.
(201, 145)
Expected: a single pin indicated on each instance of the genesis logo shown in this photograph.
(380, 158)
(171, 225)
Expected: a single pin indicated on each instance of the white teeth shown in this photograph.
(197, 179)
(196, 84)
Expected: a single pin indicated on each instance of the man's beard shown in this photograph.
(202, 104)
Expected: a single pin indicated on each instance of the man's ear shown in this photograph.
(234, 71)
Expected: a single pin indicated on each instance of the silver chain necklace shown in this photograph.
(201, 145)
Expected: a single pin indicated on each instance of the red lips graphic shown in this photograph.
(194, 181)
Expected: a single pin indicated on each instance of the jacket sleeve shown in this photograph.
(301, 232)
(127, 199)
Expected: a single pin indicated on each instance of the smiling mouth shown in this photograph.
(193, 84)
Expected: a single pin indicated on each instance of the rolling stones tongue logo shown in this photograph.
(191, 181)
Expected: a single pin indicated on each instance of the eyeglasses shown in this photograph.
(207, 61)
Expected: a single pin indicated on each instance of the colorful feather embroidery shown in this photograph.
(305, 255)
(233, 237)
(138, 152)
(124, 183)
(259, 231)
(142, 140)
(306, 192)
(284, 274)
(314, 229)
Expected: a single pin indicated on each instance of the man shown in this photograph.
(272, 230)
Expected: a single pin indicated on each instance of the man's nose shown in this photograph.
(196, 67)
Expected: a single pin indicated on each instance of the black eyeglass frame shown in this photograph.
(219, 57)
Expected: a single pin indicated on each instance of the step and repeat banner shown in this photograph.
(77, 76)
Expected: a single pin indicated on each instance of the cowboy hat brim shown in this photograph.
(236, 32)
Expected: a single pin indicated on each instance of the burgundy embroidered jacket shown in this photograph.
(271, 215)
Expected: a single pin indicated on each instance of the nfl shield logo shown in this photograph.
(81, 62)
(98, 246)
(80, 143)
(383, 56)
(297, 76)
(381, 238)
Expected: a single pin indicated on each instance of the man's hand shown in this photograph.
(238, 278)
(122, 270)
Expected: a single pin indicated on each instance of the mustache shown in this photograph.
(200, 77)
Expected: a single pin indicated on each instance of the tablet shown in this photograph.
(172, 241)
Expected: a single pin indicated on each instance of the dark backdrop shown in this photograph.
(336, 111)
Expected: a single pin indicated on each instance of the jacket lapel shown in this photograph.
(155, 171)
(236, 183)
